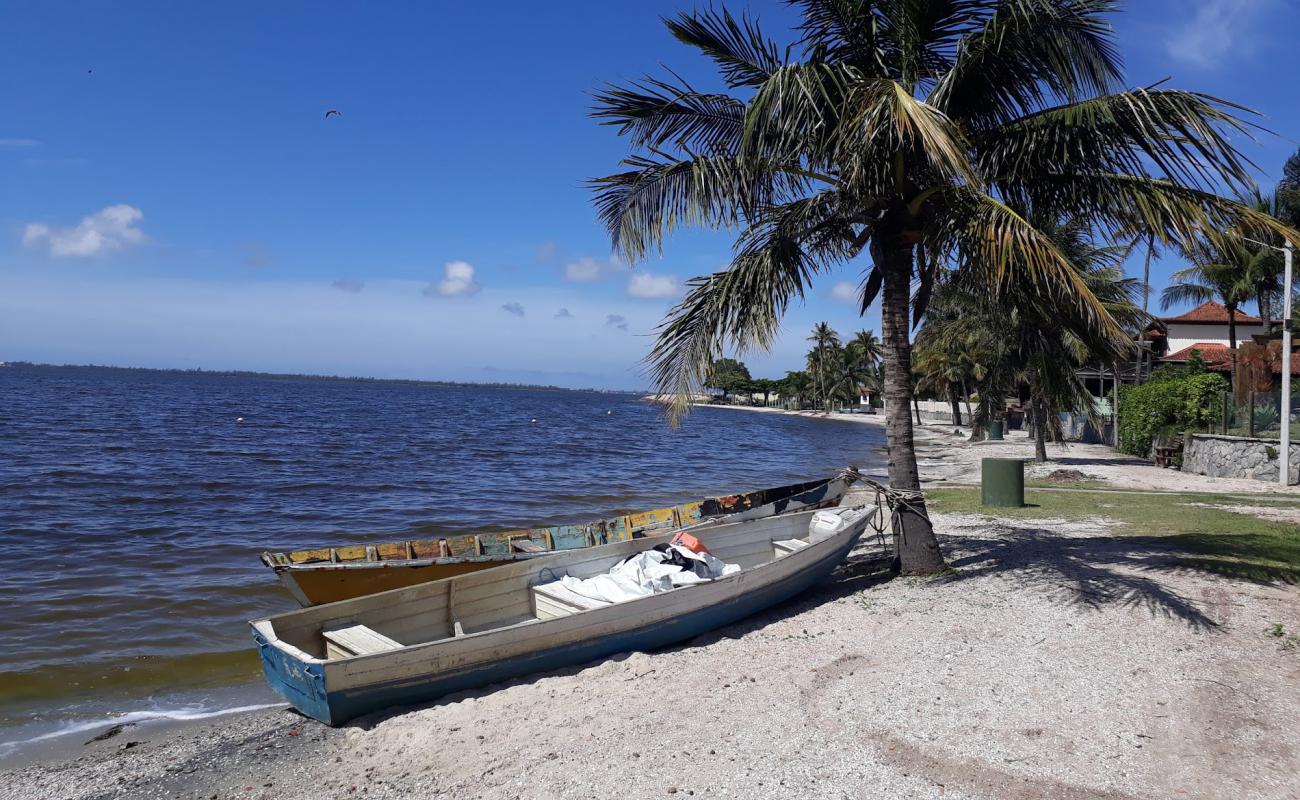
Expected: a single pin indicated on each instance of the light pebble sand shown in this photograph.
(1056, 662)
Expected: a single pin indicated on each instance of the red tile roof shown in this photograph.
(1218, 357)
(1213, 354)
(1212, 313)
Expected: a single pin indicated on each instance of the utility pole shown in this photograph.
(1284, 456)
(1284, 452)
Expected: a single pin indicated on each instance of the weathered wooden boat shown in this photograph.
(329, 574)
(337, 661)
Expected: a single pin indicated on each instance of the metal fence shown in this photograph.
(1258, 416)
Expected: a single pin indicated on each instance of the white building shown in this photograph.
(1204, 328)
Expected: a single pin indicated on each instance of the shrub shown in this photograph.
(1173, 401)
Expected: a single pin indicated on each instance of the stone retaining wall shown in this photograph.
(1236, 457)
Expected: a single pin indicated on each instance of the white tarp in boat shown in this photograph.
(646, 573)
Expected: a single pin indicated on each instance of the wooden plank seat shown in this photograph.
(347, 641)
(785, 547)
(552, 600)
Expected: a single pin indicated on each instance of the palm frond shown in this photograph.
(891, 119)
(1174, 213)
(742, 305)
(1179, 293)
(744, 56)
(1185, 136)
(921, 37)
(1026, 52)
(995, 246)
(843, 31)
(643, 205)
(654, 113)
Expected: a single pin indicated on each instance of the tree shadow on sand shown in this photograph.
(1088, 573)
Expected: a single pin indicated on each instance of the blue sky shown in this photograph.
(172, 195)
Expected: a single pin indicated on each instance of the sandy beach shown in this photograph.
(1055, 661)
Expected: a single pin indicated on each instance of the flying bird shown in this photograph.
(333, 111)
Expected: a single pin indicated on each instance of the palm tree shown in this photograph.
(824, 338)
(1024, 338)
(866, 347)
(795, 385)
(940, 372)
(902, 130)
(1223, 267)
(1268, 265)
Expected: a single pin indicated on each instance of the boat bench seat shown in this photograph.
(785, 547)
(347, 641)
(555, 600)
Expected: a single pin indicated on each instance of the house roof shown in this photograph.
(1212, 313)
(1214, 354)
(1218, 357)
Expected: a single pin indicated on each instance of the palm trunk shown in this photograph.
(917, 549)
(1146, 272)
(955, 402)
(1040, 428)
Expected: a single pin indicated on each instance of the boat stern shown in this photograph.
(294, 675)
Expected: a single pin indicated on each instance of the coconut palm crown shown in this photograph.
(907, 130)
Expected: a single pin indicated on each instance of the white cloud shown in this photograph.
(513, 308)
(616, 321)
(1217, 30)
(348, 285)
(457, 281)
(588, 269)
(546, 252)
(19, 143)
(108, 229)
(644, 284)
(563, 313)
(845, 292)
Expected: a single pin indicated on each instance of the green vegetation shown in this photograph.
(727, 374)
(918, 134)
(1188, 526)
(1173, 401)
(1023, 343)
(836, 373)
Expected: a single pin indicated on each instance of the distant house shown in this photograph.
(1204, 329)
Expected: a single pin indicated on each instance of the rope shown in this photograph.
(912, 500)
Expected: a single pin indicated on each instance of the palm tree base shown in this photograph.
(916, 551)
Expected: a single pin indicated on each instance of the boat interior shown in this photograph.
(519, 593)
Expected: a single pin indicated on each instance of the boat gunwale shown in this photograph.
(281, 563)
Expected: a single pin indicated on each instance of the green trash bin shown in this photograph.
(995, 430)
(1002, 482)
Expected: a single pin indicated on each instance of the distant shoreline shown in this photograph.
(239, 373)
(869, 419)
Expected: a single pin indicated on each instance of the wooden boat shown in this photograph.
(337, 661)
(329, 574)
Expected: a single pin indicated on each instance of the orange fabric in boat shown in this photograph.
(689, 542)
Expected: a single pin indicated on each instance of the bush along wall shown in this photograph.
(1170, 403)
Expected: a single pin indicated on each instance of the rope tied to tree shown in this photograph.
(907, 500)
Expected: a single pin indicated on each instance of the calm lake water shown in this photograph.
(134, 506)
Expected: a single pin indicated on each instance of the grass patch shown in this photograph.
(1215, 540)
